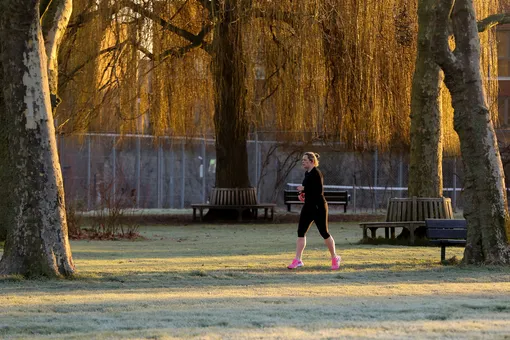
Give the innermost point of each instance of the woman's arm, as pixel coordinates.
(313, 187)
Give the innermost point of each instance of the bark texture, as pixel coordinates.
(485, 207)
(229, 70)
(37, 242)
(5, 172)
(426, 157)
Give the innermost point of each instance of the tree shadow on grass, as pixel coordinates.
(362, 274)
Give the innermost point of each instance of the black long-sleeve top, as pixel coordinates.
(314, 187)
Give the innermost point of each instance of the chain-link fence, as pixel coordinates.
(162, 172)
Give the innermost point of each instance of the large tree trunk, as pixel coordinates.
(485, 207)
(425, 171)
(230, 120)
(37, 242)
(231, 124)
(426, 157)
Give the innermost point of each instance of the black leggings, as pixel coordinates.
(317, 214)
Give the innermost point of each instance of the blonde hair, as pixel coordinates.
(313, 157)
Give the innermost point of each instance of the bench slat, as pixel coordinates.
(446, 229)
(433, 233)
(446, 223)
(332, 197)
(447, 241)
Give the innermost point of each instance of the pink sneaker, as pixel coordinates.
(335, 262)
(295, 263)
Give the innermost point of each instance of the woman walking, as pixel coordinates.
(315, 210)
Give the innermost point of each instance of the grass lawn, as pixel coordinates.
(231, 282)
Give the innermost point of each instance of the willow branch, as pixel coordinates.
(69, 76)
(207, 5)
(287, 17)
(43, 6)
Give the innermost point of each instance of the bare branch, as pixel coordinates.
(195, 40)
(157, 19)
(43, 6)
(493, 20)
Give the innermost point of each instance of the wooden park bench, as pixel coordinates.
(446, 233)
(238, 199)
(333, 197)
(409, 213)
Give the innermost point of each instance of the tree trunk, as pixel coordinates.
(485, 207)
(426, 157)
(230, 120)
(5, 171)
(54, 22)
(425, 171)
(37, 242)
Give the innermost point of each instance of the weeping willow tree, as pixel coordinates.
(198, 56)
(340, 69)
(369, 48)
(82, 67)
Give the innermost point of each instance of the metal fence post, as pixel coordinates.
(114, 169)
(354, 192)
(183, 178)
(376, 161)
(257, 164)
(400, 173)
(88, 173)
(160, 172)
(171, 175)
(202, 171)
(454, 195)
(138, 169)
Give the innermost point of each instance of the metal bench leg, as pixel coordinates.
(365, 234)
(372, 232)
(387, 233)
(194, 214)
(345, 208)
(411, 236)
(392, 232)
(288, 207)
(239, 215)
(201, 213)
(272, 213)
(265, 213)
(443, 253)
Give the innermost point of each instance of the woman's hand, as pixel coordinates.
(300, 188)
(301, 197)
